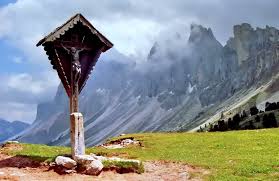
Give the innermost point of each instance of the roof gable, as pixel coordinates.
(61, 30)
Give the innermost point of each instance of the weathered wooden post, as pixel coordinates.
(73, 50)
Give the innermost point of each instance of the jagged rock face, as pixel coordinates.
(197, 68)
(256, 53)
(178, 84)
(196, 65)
(248, 41)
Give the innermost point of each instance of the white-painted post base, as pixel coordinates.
(77, 134)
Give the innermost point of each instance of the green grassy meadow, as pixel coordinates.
(233, 155)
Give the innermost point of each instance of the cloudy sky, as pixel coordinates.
(26, 77)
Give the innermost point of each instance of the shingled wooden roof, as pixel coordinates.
(93, 42)
(61, 30)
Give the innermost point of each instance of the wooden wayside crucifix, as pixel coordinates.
(73, 50)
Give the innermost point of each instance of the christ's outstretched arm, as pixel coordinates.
(68, 50)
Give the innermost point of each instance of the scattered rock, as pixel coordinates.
(121, 143)
(65, 162)
(84, 159)
(90, 164)
(94, 168)
(52, 164)
(100, 158)
(129, 142)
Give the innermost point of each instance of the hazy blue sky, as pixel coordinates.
(26, 77)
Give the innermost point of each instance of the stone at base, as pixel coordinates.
(100, 158)
(84, 159)
(94, 168)
(87, 164)
(65, 162)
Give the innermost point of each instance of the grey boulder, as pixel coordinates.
(65, 162)
(94, 168)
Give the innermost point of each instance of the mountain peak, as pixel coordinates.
(240, 29)
(199, 32)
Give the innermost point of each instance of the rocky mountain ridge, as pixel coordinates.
(182, 83)
(9, 129)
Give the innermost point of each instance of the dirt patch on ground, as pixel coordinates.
(18, 162)
(17, 168)
(162, 170)
(8, 147)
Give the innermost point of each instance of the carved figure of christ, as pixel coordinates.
(76, 66)
(74, 50)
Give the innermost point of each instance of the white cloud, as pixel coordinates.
(30, 20)
(25, 83)
(131, 25)
(20, 93)
(12, 111)
(131, 36)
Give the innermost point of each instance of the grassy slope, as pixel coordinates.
(236, 155)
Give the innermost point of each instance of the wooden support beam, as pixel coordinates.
(76, 120)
